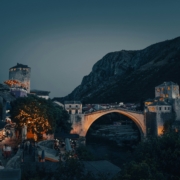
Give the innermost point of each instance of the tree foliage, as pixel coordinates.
(156, 158)
(40, 115)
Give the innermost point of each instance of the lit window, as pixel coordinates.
(162, 89)
(157, 89)
(174, 88)
(14, 69)
(169, 88)
(167, 95)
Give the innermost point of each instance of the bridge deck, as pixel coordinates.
(109, 109)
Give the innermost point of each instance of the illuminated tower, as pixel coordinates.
(21, 73)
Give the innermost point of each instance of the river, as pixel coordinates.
(103, 149)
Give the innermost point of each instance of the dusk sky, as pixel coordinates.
(62, 39)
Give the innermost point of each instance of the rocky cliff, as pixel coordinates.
(130, 76)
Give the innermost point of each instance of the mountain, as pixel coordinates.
(130, 76)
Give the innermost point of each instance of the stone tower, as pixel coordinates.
(21, 73)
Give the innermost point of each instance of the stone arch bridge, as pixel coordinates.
(82, 122)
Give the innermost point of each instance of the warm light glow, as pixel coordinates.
(148, 103)
(34, 121)
(160, 130)
(14, 82)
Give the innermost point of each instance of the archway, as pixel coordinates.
(137, 118)
(109, 144)
(114, 128)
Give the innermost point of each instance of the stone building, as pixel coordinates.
(18, 92)
(21, 73)
(164, 107)
(73, 107)
(168, 90)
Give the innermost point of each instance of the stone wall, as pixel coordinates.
(176, 107)
(76, 120)
(151, 126)
(21, 75)
(161, 118)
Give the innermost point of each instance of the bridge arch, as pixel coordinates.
(138, 118)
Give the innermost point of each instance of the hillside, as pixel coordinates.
(130, 76)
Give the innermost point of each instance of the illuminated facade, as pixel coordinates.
(21, 73)
(167, 90)
(162, 107)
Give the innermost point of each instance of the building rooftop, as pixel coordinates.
(169, 83)
(20, 66)
(101, 167)
(4, 87)
(149, 100)
(160, 103)
(72, 102)
(40, 92)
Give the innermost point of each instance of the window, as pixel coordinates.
(76, 105)
(168, 108)
(160, 108)
(162, 89)
(14, 69)
(164, 108)
(69, 105)
(169, 88)
(167, 95)
(157, 89)
(174, 88)
(70, 112)
(76, 111)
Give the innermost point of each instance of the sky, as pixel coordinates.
(61, 40)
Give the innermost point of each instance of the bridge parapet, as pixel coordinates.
(109, 109)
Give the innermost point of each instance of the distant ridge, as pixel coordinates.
(130, 76)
